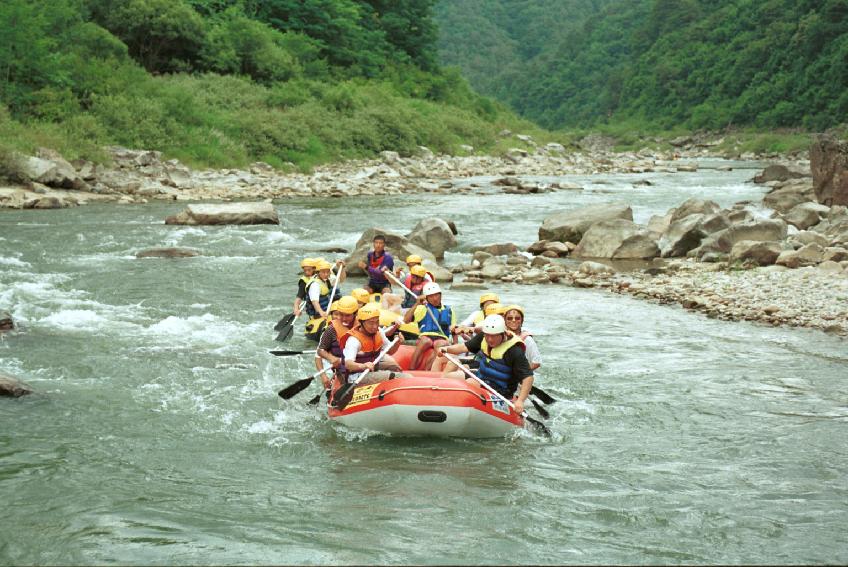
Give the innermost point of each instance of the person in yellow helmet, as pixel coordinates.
(361, 295)
(411, 261)
(362, 345)
(514, 317)
(308, 266)
(329, 349)
(318, 292)
(467, 326)
(415, 282)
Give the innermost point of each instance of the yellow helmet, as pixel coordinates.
(418, 271)
(324, 265)
(489, 297)
(513, 308)
(493, 309)
(414, 259)
(347, 304)
(307, 263)
(361, 295)
(368, 311)
(334, 306)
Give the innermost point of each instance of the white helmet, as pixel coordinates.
(431, 288)
(494, 325)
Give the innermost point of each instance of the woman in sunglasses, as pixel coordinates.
(514, 317)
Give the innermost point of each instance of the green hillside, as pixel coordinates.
(227, 82)
(661, 64)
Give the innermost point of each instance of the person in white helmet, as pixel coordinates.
(503, 364)
(436, 323)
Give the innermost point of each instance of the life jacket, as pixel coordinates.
(369, 345)
(478, 317)
(375, 267)
(442, 314)
(303, 285)
(324, 298)
(493, 370)
(336, 348)
(409, 300)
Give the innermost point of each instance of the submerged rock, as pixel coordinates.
(167, 253)
(13, 387)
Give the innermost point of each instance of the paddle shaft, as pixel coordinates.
(376, 362)
(410, 292)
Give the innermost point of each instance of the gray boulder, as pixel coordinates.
(497, 249)
(13, 387)
(784, 198)
(760, 253)
(6, 322)
(570, 226)
(808, 255)
(694, 206)
(776, 173)
(399, 247)
(805, 215)
(226, 213)
(682, 236)
(617, 239)
(719, 221)
(829, 166)
(433, 234)
(805, 237)
(51, 169)
(757, 230)
(595, 268)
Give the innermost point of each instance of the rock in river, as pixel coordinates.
(227, 213)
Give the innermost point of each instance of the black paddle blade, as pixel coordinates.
(538, 426)
(343, 396)
(285, 352)
(296, 388)
(284, 321)
(286, 333)
(542, 395)
(314, 401)
(542, 411)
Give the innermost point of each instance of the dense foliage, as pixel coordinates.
(224, 82)
(663, 63)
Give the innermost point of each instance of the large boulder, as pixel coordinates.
(617, 239)
(497, 249)
(787, 196)
(51, 169)
(227, 213)
(570, 226)
(433, 234)
(13, 387)
(829, 165)
(682, 236)
(776, 172)
(808, 255)
(758, 230)
(694, 206)
(805, 215)
(760, 253)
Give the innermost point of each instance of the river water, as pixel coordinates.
(155, 434)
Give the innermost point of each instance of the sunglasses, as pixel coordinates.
(513, 318)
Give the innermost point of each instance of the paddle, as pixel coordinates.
(290, 352)
(284, 321)
(292, 390)
(345, 393)
(537, 424)
(543, 396)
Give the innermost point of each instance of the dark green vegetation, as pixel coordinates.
(656, 64)
(226, 82)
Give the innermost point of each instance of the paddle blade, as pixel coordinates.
(286, 352)
(314, 401)
(542, 395)
(286, 320)
(542, 411)
(343, 396)
(286, 333)
(294, 389)
(538, 426)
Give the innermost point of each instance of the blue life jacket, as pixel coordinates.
(427, 326)
(493, 370)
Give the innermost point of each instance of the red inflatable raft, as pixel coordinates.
(427, 404)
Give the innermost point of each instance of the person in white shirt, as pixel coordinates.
(514, 317)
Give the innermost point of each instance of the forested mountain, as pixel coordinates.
(222, 82)
(658, 63)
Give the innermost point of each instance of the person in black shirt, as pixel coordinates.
(503, 365)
